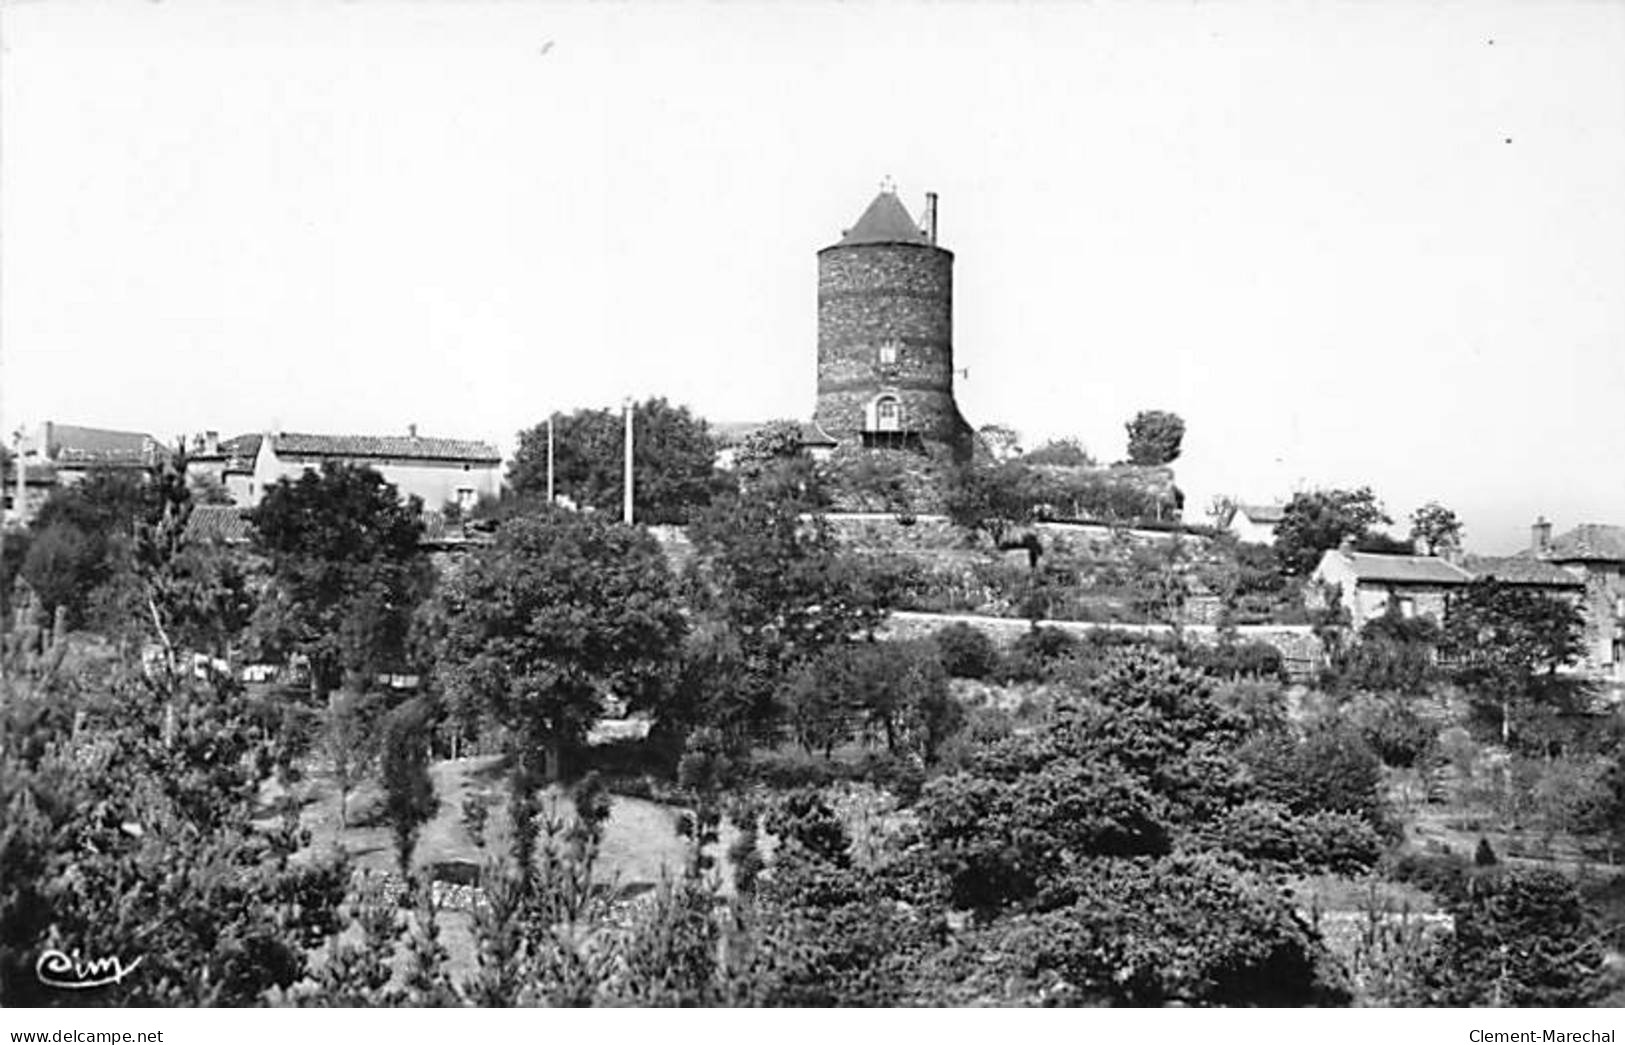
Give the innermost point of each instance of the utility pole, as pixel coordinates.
(550, 500)
(626, 479)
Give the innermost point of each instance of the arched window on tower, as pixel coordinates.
(888, 414)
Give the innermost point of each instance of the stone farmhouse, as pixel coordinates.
(56, 454)
(1418, 586)
(1593, 554)
(436, 470)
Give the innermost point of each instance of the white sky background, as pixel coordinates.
(1300, 226)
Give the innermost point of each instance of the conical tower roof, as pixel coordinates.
(886, 221)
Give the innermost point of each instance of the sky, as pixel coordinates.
(1350, 244)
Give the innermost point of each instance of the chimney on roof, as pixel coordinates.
(930, 222)
(1346, 545)
(412, 430)
(211, 442)
(1540, 536)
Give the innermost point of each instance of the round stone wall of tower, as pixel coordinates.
(885, 335)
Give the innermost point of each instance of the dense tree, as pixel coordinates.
(673, 461)
(1395, 654)
(1154, 437)
(409, 798)
(564, 610)
(1000, 442)
(84, 538)
(1190, 929)
(898, 689)
(347, 573)
(1435, 528)
(772, 444)
(1523, 938)
(1314, 522)
(132, 832)
(993, 499)
(1330, 769)
(1507, 647)
(773, 575)
(1067, 452)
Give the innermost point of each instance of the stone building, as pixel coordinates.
(227, 463)
(1415, 585)
(439, 471)
(885, 335)
(1594, 553)
(1419, 585)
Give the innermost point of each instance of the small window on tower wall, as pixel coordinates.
(888, 353)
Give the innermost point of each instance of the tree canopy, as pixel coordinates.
(347, 572)
(565, 610)
(1507, 647)
(1317, 521)
(1154, 437)
(673, 461)
(1435, 528)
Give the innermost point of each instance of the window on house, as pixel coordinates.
(888, 353)
(888, 415)
(1407, 608)
(465, 497)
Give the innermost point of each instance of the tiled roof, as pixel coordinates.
(238, 450)
(78, 442)
(402, 446)
(1589, 542)
(1516, 570)
(225, 523)
(1263, 513)
(886, 221)
(1403, 569)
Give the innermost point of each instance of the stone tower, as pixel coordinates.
(885, 335)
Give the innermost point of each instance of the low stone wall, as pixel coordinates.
(1297, 643)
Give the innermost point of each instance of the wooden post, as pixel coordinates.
(626, 480)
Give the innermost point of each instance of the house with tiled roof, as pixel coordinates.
(73, 451)
(1256, 523)
(1417, 585)
(228, 463)
(435, 469)
(1594, 553)
(1368, 584)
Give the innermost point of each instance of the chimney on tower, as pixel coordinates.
(412, 430)
(1540, 536)
(931, 218)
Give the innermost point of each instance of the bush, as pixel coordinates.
(1034, 653)
(1260, 704)
(1523, 938)
(1445, 875)
(1237, 660)
(967, 652)
(1187, 929)
(1004, 830)
(1393, 728)
(1331, 770)
(1338, 843)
